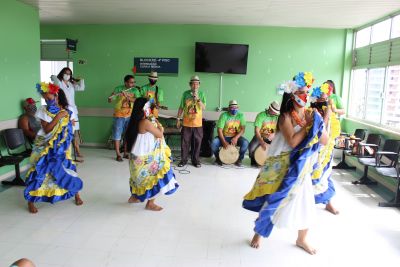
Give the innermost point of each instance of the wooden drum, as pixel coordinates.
(229, 155)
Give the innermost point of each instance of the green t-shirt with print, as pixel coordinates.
(231, 124)
(123, 107)
(192, 112)
(337, 101)
(266, 123)
(149, 91)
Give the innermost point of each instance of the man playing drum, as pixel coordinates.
(264, 130)
(231, 126)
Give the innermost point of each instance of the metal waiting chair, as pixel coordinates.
(359, 134)
(17, 151)
(387, 157)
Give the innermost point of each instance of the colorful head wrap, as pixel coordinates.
(302, 79)
(43, 88)
(317, 92)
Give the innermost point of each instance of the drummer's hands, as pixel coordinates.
(225, 144)
(234, 141)
(264, 145)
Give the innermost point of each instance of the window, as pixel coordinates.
(375, 86)
(381, 31)
(357, 107)
(48, 68)
(363, 37)
(391, 112)
(395, 27)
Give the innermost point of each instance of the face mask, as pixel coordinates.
(301, 100)
(51, 102)
(234, 111)
(152, 82)
(31, 109)
(66, 77)
(147, 112)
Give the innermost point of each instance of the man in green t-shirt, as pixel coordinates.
(124, 96)
(231, 126)
(264, 129)
(153, 92)
(193, 103)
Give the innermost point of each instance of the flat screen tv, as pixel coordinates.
(221, 58)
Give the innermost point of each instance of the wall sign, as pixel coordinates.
(159, 64)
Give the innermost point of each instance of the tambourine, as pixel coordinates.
(260, 155)
(229, 155)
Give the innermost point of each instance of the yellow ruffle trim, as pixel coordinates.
(55, 132)
(46, 190)
(154, 179)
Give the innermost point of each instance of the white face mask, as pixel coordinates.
(66, 77)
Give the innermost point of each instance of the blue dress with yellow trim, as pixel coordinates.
(282, 193)
(324, 188)
(150, 168)
(52, 176)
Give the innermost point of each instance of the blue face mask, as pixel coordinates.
(152, 82)
(51, 102)
(234, 111)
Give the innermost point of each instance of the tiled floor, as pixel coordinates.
(202, 224)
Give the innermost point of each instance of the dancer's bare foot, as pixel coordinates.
(133, 199)
(78, 200)
(304, 245)
(329, 207)
(32, 208)
(255, 242)
(152, 206)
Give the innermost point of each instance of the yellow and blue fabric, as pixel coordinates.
(152, 173)
(52, 176)
(323, 186)
(273, 186)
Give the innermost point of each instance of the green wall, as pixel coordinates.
(19, 56)
(19, 59)
(275, 55)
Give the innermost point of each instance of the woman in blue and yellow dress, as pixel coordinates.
(150, 162)
(324, 188)
(52, 176)
(282, 193)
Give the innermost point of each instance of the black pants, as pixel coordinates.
(187, 134)
(253, 146)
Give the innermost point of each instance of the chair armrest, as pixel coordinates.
(385, 153)
(366, 144)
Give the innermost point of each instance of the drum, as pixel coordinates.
(229, 155)
(260, 155)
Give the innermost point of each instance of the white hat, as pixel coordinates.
(275, 107)
(153, 75)
(233, 103)
(195, 78)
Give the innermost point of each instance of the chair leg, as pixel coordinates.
(17, 180)
(395, 202)
(342, 164)
(364, 180)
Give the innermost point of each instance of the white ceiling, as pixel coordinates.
(291, 13)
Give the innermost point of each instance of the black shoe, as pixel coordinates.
(197, 164)
(182, 163)
(239, 163)
(218, 162)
